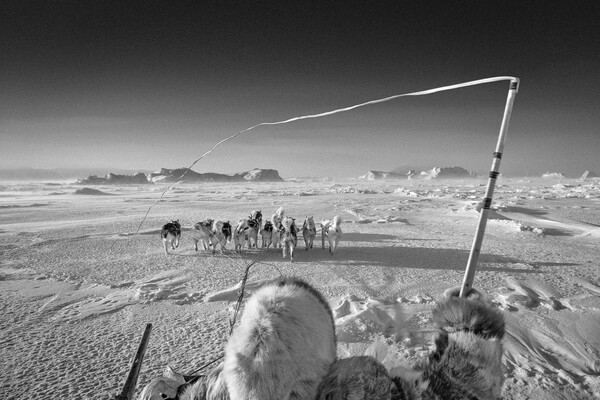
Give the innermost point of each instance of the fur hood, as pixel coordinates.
(272, 355)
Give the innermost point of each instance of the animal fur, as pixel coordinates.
(212, 234)
(309, 232)
(219, 235)
(277, 217)
(284, 348)
(238, 240)
(334, 234)
(170, 235)
(203, 232)
(288, 237)
(267, 234)
(325, 224)
(257, 215)
(467, 361)
(226, 230)
(249, 227)
(356, 378)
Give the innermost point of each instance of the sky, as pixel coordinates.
(148, 85)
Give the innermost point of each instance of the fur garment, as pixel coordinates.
(284, 349)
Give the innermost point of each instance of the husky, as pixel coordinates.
(309, 231)
(226, 229)
(219, 235)
(285, 348)
(288, 236)
(203, 232)
(170, 235)
(267, 234)
(277, 217)
(334, 234)
(325, 224)
(249, 227)
(257, 215)
(239, 238)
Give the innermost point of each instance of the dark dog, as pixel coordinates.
(170, 235)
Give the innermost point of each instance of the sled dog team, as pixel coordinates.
(284, 347)
(279, 232)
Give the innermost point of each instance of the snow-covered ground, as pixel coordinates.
(80, 277)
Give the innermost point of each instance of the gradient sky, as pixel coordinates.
(145, 85)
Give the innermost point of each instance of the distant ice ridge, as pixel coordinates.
(434, 173)
(167, 175)
(553, 175)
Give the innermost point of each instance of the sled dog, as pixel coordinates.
(257, 215)
(309, 231)
(249, 228)
(288, 236)
(170, 235)
(226, 231)
(277, 217)
(203, 232)
(267, 233)
(219, 237)
(332, 231)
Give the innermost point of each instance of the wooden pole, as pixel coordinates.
(487, 200)
(129, 388)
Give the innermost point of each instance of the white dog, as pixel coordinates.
(333, 232)
(249, 227)
(277, 218)
(239, 238)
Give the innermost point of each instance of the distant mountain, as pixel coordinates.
(167, 175)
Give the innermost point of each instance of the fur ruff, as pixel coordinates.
(467, 361)
(283, 346)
